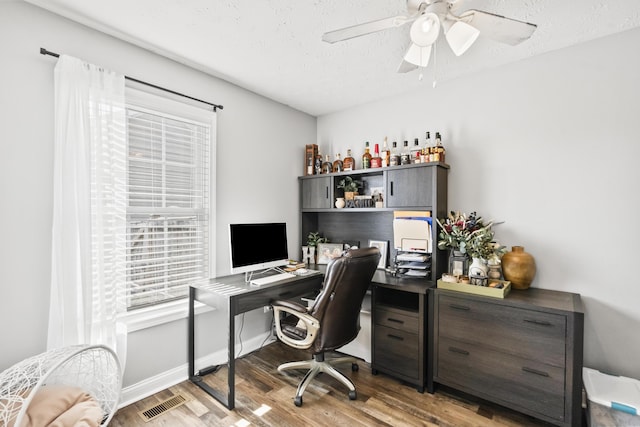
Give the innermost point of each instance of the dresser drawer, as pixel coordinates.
(396, 319)
(525, 333)
(397, 350)
(490, 374)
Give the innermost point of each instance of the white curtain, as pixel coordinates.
(89, 207)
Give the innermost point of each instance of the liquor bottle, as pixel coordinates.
(415, 152)
(309, 165)
(349, 162)
(337, 164)
(394, 158)
(405, 154)
(366, 157)
(327, 166)
(376, 160)
(439, 148)
(424, 154)
(386, 154)
(317, 165)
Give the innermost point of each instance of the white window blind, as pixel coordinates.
(168, 206)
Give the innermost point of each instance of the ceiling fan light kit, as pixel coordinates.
(461, 36)
(461, 29)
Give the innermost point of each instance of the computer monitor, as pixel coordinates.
(257, 246)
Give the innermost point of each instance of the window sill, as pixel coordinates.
(164, 313)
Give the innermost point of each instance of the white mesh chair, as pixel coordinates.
(93, 368)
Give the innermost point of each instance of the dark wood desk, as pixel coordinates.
(232, 294)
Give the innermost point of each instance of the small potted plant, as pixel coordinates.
(350, 187)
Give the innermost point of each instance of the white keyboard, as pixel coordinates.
(270, 279)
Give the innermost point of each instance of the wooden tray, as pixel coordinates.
(477, 290)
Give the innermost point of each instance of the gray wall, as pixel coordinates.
(260, 150)
(549, 145)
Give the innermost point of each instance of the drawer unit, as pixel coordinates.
(397, 319)
(397, 350)
(526, 333)
(399, 334)
(523, 352)
(524, 382)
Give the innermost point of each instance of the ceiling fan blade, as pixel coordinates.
(497, 27)
(405, 67)
(366, 28)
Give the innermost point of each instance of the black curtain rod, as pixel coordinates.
(44, 51)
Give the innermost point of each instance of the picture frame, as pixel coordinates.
(350, 244)
(329, 251)
(383, 246)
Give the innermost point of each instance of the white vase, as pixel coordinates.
(340, 202)
(478, 268)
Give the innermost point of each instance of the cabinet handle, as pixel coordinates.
(459, 307)
(395, 337)
(327, 188)
(538, 322)
(460, 351)
(391, 189)
(391, 319)
(535, 371)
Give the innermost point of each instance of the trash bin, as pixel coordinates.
(613, 401)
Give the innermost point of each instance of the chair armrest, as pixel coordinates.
(290, 305)
(307, 321)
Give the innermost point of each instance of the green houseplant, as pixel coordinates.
(350, 187)
(314, 238)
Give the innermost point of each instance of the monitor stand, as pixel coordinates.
(249, 274)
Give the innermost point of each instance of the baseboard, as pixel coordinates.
(157, 383)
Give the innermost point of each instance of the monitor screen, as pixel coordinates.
(257, 246)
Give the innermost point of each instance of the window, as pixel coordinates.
(170, 147)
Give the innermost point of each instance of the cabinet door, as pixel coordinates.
(412, 187)
(316, 193)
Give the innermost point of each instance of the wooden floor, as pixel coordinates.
(382, 401)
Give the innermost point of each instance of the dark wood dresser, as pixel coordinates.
(523, 352)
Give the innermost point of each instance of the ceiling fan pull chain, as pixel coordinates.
(435, 63)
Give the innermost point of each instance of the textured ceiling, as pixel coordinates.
(274, 47)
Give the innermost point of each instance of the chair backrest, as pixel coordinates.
(337, 308)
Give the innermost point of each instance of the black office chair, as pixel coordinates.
(332, 321)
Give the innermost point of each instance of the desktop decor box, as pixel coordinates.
(477, 290)
(310, 153)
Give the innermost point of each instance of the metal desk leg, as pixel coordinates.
(228, 400)
(231, 400)
(191, 348)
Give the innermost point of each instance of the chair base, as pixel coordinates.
(318, 365)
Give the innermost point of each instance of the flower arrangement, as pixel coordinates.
(469, 235)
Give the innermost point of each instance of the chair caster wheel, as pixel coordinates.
(353, 395)
(298, 401)
(354, 367)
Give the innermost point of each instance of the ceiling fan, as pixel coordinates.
(460, 29)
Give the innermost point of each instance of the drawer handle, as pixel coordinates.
(459, 351)
(391, 319)
(395, 337)
(535, 371)
(538, 322)
(459, 307)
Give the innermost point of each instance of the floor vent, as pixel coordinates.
(162, 407)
